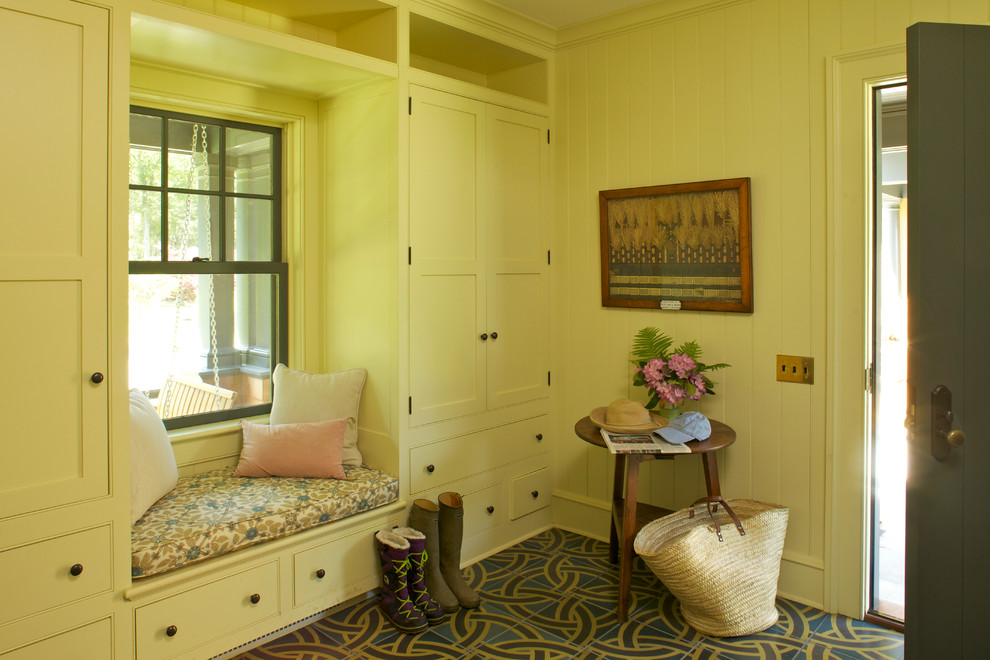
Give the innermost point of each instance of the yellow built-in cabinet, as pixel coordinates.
(59, 501)
(479, 263)
(478, 257)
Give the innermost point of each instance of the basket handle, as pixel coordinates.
(712, 504)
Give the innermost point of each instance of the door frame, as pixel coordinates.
(850, 79)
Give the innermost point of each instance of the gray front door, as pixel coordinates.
(948, 490)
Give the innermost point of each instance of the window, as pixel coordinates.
(207, 284)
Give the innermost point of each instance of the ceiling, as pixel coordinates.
(562, 13)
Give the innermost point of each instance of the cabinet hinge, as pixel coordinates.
(548, 136)
(548, 379)
(548, 257)
(410, 405)
(870, 379)
(410, 105)
(410, 255)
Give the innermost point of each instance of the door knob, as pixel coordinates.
(956, 438)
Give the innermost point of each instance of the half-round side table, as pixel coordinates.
(628, 517)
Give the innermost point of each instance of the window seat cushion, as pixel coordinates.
(212, 513)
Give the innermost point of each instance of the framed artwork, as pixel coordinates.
(680, 246)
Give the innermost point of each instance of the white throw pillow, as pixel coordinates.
(153, 469)
(301, 398)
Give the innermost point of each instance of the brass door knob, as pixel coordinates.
(956, 438)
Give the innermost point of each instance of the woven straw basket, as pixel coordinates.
(726, 588)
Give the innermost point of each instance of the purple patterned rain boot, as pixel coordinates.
(416, 580)
(393, 550)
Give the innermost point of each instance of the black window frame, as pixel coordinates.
(276, 266)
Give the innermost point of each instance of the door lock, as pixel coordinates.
(944, 437)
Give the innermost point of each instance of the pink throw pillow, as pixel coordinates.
(293, 450)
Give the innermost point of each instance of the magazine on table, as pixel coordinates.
(641, 443)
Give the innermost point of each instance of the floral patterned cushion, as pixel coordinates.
(211, 513)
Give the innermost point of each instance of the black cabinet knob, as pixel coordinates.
(494, 335)
(76, 570)
(320, 574)
(539, 436)
(171, 631)
(490, 509)
(97, 378)
(484, 336)
(535, 494)
(255, 599)
(430, 468)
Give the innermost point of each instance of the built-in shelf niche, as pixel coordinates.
(361, 26)
(449, 51)
(253, 55)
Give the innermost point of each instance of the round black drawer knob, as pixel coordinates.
(76, 570)
(430, 468)
(255, 599)
(484, 336)
(535, 494)
(320, 574)
(490, 509)
(171, 631)
(539, 436)
(494, 335)
(97, 378)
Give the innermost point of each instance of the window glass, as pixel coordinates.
(207, 285)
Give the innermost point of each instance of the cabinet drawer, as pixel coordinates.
(530, 492)
(55, 572)
(334, 565)
(482, 510)
(85, 643)
(182, 622)
(439, 463)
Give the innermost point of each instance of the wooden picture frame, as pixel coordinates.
(679, 246)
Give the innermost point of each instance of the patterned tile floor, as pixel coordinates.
(553, 597)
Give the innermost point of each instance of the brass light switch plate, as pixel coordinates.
(796, 369)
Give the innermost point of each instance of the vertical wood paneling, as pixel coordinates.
(711, 95)
(969, 11)
(933, 11)
(892, 20)
(859, 21)
(607, 388)
(733, 384)
(795, 332)
(686, 85)
(662, 126)
(640, 111)
(767, 271)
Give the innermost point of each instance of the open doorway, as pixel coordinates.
(888, 372)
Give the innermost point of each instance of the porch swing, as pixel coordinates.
(182, 394)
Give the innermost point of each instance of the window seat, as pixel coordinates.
(212, 513)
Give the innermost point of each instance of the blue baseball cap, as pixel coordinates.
(686, 426)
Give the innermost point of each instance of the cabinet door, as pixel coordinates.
(53, 253)
(446, 278)
(518, 193)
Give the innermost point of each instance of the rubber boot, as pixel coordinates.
(393, 550)
(420, 595)
(451, 535)
(424, 517)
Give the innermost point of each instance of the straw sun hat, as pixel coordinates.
(625, 416)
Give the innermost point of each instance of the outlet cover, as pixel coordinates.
(796, 369)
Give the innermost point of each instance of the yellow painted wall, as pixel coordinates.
(733, 89)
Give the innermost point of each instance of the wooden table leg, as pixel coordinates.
(618, 485)
(628, 534)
